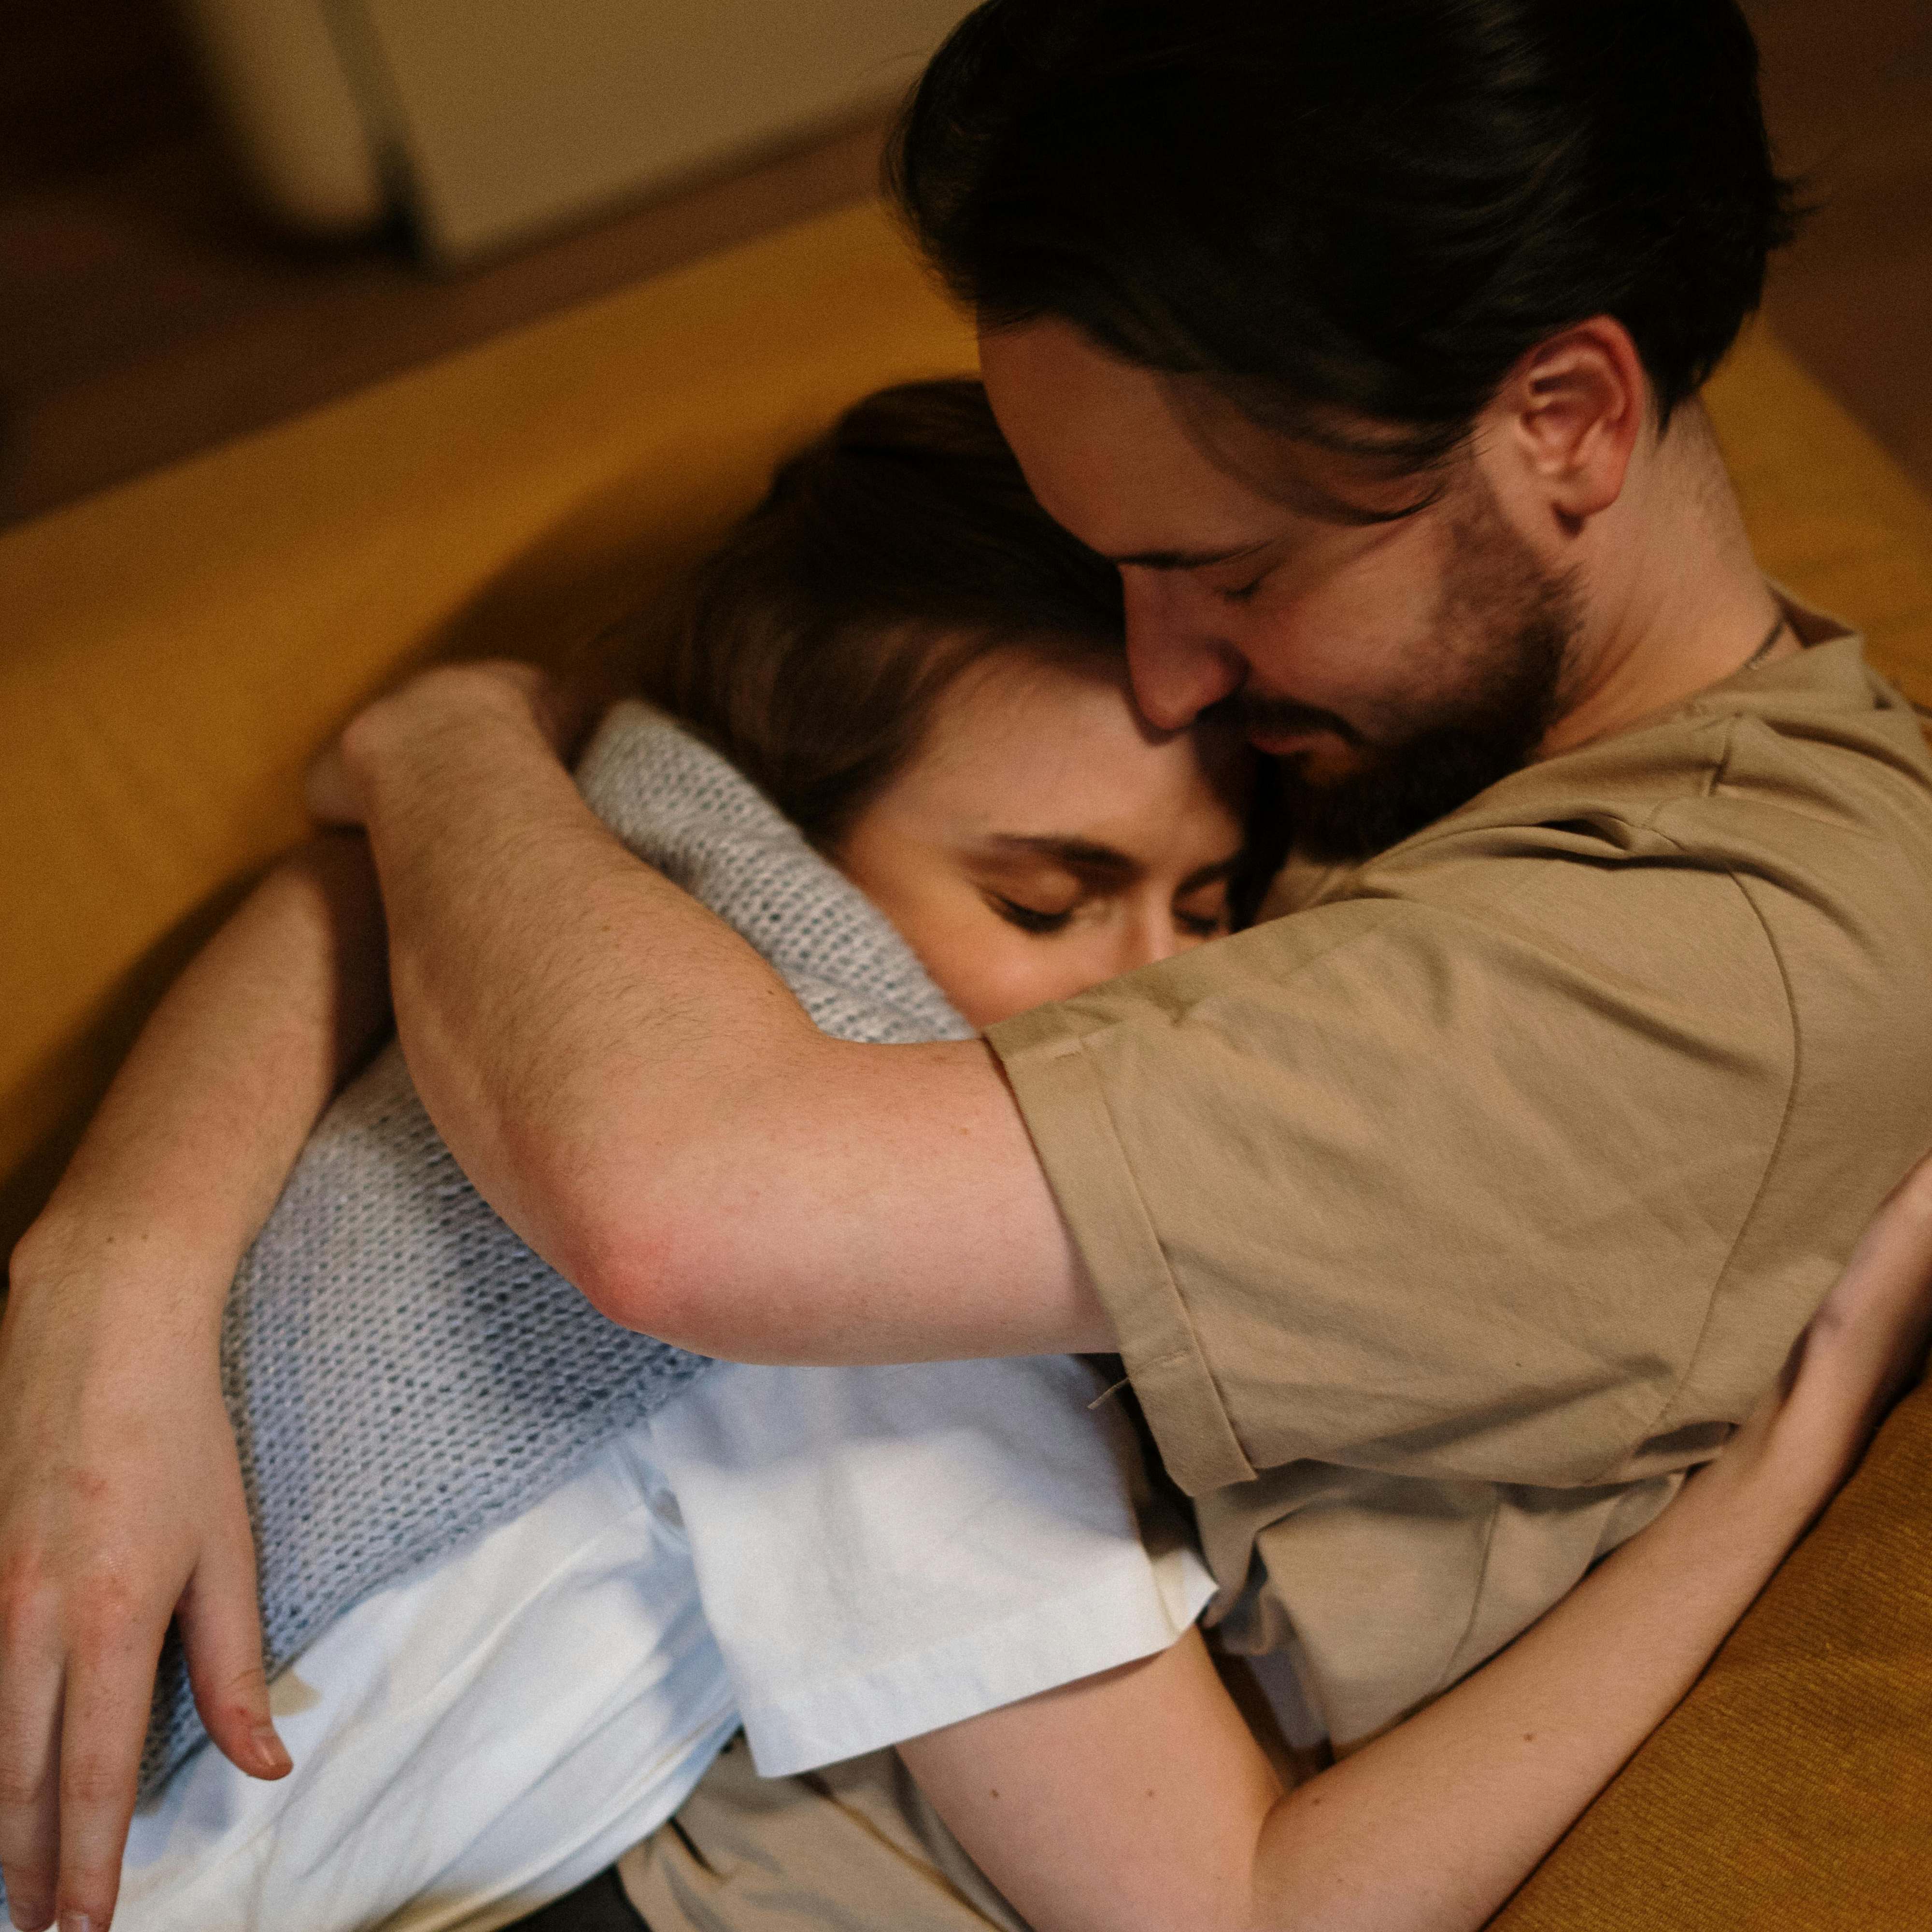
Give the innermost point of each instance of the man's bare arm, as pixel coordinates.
(121, 1498)
(639, 1095)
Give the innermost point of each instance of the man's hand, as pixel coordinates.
(434, 699)
(120, 1506)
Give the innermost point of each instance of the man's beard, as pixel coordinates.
(1469, 737)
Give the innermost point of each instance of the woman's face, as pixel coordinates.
(1045, 839)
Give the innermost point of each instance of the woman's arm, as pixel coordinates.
(1138, 1799)
(121, 1500)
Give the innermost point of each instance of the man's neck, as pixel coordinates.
(1674, 602)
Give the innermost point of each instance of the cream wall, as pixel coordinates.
(487, 122)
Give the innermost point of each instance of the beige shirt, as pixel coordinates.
(1446, 1217)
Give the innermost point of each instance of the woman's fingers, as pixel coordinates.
(104, 1719)
(220, 1626)
(118, 1472)
(1867, 1341)
(30, 1673)
(1880, 1308)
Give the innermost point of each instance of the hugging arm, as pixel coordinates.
(121, 1496)
(1137, 1799)
(637, 1093)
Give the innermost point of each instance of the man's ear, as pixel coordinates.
(1574, 407)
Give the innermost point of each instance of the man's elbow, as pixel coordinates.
(647, 1258)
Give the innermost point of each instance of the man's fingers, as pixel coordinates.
(220, 1626)
(30, 1709)
(109, 1687)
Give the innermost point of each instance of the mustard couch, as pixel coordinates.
(172, 652)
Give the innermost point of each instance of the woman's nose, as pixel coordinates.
(1178, 664)
(1147, 935)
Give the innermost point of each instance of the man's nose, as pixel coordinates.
(1177, 664)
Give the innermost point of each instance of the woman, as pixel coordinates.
(1135, 1795)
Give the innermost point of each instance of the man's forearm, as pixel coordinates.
(641, 1097)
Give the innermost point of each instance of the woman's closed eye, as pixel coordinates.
(1042, 920)
(1200, 910)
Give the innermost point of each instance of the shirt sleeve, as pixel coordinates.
(1438, 1179)
(881, 1551)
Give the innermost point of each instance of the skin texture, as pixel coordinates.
(548, 1069)
(1137, 1798)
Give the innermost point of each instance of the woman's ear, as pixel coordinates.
(1573, 410)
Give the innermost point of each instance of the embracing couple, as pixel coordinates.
(1320, 869)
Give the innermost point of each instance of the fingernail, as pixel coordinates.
(273, 1753)
(77, 1921)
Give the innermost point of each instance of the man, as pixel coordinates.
(1442, 1221)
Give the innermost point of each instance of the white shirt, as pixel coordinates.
(839, 1559)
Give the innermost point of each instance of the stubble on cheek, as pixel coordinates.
(1496, 658)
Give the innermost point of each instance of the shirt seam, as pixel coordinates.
(1670, 1402)
(1188, 1351)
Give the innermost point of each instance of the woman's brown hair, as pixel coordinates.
(898, 549)
(888, 557)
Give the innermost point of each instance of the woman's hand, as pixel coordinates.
(121, 1496)
(120, 1506)
(1866, 1345)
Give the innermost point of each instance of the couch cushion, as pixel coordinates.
(174, 649)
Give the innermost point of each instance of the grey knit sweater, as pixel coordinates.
(401, 1371)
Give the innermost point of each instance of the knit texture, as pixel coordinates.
(401, 1371)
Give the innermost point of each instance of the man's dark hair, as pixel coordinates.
(1353, 217)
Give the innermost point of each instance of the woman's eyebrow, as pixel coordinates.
(1084, 855)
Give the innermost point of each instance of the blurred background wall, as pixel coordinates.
(149, 308)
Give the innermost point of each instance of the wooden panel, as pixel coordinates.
(511, 116)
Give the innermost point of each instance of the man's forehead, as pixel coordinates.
(1108, 453)
(1143, 468)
